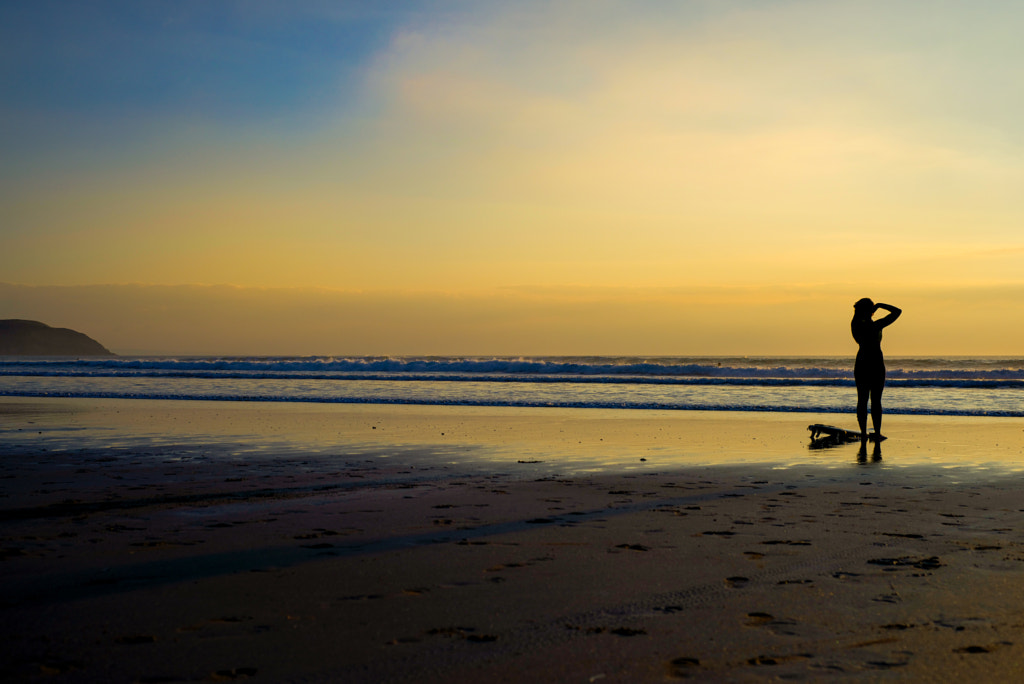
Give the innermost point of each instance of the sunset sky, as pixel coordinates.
(592, 177)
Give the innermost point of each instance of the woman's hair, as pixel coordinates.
(863, 304)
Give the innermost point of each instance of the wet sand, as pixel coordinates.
(191, 541)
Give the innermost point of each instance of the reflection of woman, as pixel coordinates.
(869, 369)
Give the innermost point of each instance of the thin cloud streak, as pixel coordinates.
(222, 320)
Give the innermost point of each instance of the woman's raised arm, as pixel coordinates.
(894, 313)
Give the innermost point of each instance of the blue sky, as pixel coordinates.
(106, 65)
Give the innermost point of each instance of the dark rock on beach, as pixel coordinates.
(32, 338)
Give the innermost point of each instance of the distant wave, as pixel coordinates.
(1008, 374)
(929, 386)
(642, 405)
(657, 405)
(618, 366)
(901, 380)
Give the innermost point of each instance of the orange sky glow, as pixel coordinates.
(518, 178)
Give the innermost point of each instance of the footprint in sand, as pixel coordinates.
(58, 667)
(930, 563)
(235, 673)
(465, 633)
(317, 534)
(885, 664)
(842, 574)
(778, 659)
(775, 625)
(971, 649)
(668, 610)
(683, 666)
(11, 552)
(758, 619)
(628, 632)
(318, 547)
(974, 650)
(504, 566)
(362, 597)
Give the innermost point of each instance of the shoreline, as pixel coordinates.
(146, 543)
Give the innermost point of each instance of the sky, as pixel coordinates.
(574, 177)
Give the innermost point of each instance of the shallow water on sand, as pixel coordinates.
(529, 441)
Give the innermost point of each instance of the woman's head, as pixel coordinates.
(864, 308)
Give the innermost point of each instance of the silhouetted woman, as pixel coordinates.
(869, 369)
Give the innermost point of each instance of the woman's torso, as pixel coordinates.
(869, 337)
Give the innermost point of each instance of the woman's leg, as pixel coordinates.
(863, 392)
(876, 407)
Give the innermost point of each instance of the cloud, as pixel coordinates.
(821, 115)
(563, 144)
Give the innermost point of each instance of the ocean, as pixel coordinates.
(965, 386)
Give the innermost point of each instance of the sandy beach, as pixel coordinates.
(149, 541)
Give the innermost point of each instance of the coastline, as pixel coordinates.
(193, 541)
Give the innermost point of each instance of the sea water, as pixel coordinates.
(968, 386)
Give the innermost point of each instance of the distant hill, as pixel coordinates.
(32, 338)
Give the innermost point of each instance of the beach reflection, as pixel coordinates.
(835, 441)
(828, 442)
(876, 453)
(532, 442)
